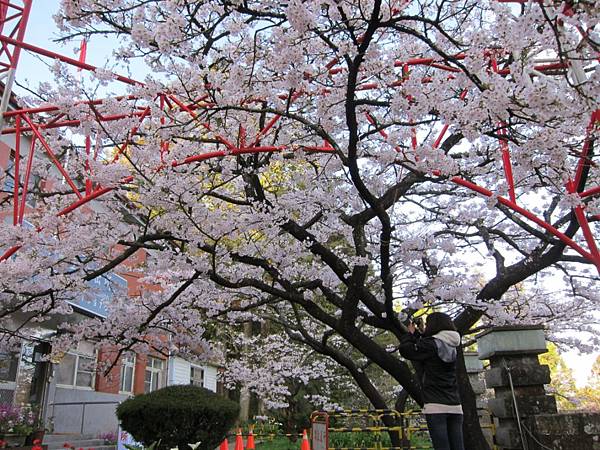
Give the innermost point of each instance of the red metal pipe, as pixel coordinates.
(16, 171)
(372, 121)
(19, 30)
(440, 136)
(445, 67)
(592, 191)
(22, 25)
(262, 133)
(120, 116)
(332, 63)
(367, 86)
(26, 180)
(163, 145)
(508, 173)
(52, 156)
(3, 12)
(88, 181)
(97, 193)
(437, 142)
(506, 163)
(587, 233)
(8, 253)
(260, 149)
(322, 149)
(84, 200)
(242, 136)
(65, 123)
(50, 108)
(133, 130)
(224, 141)
(595, 117)
(425, 61)
(563, 237)
(54, 119)
(196, 158)
(69, 123)
(240, 151)
(543, 68)
(65, 59)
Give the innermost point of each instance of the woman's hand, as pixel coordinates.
(411, 328)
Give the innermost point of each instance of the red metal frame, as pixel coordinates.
(39, 119)
(14, 15)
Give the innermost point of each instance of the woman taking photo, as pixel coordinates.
(435, 352)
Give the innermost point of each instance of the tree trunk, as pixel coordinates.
(400, 406)
(473, 436)
(244, 415)
(391, 421)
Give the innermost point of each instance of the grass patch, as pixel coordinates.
(365, 440)
(278, 443)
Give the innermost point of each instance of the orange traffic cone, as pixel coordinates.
(239, 443)
(305, 444)
(224, 445)
(250, 441)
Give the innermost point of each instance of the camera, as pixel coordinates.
(417, 321)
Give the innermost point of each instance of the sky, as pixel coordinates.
(42, 31)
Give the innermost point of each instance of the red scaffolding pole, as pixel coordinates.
(13, 22)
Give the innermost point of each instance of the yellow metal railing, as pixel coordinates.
(407, 424)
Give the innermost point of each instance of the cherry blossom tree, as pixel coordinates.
(323, 165)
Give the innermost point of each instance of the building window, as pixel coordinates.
(197, 376)
(76, 371)
(8, 175)
(155, 374)
(127, 373)
(9, 362)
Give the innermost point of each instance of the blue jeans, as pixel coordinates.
(445, 431)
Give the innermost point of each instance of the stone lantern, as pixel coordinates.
(517, 378)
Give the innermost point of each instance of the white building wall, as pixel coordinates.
(210, 378)
(179, 373)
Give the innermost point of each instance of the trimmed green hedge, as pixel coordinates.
(178, 415)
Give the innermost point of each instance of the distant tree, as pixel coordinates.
(589, 395)
(563, 382)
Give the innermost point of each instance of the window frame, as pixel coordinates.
(76, 370)
(125, 363)
(194, 367)
(154, 372)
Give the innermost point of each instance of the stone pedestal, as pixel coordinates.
(475, 371)
(474, 368)
(565, 431)
(517, 378)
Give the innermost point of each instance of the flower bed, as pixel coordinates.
(16, 423)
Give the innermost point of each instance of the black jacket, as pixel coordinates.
(437, 355)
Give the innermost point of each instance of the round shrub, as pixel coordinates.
(178, 415)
